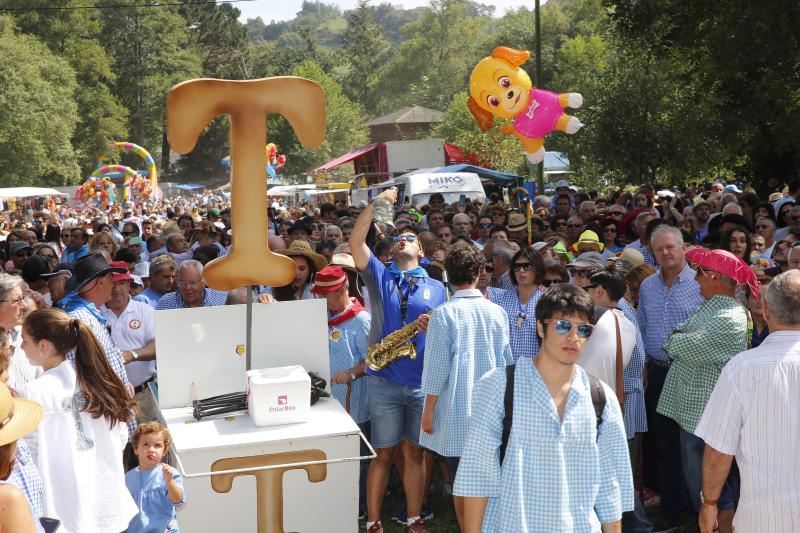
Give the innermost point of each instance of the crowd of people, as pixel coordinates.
(566, 369)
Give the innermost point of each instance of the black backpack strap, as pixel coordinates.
(508, 404)
(598, 397)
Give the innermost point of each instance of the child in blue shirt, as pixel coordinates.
(156, 487)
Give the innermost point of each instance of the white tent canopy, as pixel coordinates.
(26, 192)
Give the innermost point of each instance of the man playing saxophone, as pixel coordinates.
(400, 294)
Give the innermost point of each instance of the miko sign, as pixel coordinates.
(444, 180)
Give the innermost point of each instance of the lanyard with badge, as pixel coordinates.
(522, 316)
(410, 282)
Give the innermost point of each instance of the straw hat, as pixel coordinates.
(302, 248)
(18, 417)
(587, 237)
(343, 260)
(516, 222)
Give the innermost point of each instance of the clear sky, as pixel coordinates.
(285, 9)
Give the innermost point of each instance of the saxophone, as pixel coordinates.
(396, 345)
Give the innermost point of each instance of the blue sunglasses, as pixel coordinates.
(563, 327)
(407, 238)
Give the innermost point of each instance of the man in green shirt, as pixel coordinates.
(700, 348)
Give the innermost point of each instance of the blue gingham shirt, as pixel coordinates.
(173, 300)
(467, 337)
(634, 414)
(557, 475)
(347, 343)
(504, 282)
(649, 258)
(662, 308)
(524, 340)
(25, 477)
(113, 353)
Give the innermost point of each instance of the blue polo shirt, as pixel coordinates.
(424, 295)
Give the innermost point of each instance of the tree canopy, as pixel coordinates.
(686, 90)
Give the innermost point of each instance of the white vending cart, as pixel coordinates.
(295, 477)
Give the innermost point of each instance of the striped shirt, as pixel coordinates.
(662, 308)
(752, 414)
(467, 337)
(634, 414)
(347, 345)
(521, 321)
(568, 475)
(20, 371)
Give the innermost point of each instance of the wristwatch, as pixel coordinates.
(710, 503)
(134, 355)
(353, 376)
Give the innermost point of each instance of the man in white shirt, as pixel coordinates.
(752, 415)
(133, 331)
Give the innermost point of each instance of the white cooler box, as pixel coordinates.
(279, 395)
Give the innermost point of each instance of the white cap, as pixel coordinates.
(142, 269)
(562, 183)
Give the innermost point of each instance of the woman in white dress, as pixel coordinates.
(78, 447)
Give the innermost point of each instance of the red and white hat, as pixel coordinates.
(329, 279)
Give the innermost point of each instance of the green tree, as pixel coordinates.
(434, 63)
(152, 51)
(345, 127)
(38, 113)
(365, 49)
(74, 34)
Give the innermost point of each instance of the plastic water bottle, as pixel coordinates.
(383, 210)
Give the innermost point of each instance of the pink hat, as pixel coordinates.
(727, 264)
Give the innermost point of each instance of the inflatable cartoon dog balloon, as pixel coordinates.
(498, 86)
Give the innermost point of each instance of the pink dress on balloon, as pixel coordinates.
(541, 115)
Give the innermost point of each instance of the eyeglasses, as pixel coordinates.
(15, 301)
(549, 282)
(317, 227)
(582, 273)
(485, 226)
(527, 267)
(23, 253)
(190, 283)
(563, 327)
(610, 230)
(615, 213)
(574, 225)
(407, 238)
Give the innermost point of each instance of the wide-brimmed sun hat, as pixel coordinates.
(18, 417)
(302, 248)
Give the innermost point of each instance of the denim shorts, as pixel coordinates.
(395, 412)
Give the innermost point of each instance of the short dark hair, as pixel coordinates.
(565, 299)
(83, 232)
(125, 254)
(327, 208)
(533, 258)
(383, 246)
(463, 263)
(322, 245)
(612, 280)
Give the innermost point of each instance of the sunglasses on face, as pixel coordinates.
(485, 226)
(563, 327)
(574, 225)
(23, 253)
(579, 273)
(527, 267)
(407, 238)
(610, 230)
(549, 282)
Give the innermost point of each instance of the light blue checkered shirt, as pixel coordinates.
(648, 256)
(25, 476)
(524, 341)
(557, 476)
(173, 300)
(634, 414)
(346, 351)
(467, 337)
(662, 308)
(113, 353)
